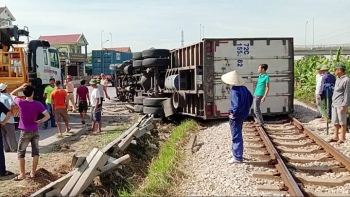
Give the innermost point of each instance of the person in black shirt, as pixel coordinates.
(3, 172)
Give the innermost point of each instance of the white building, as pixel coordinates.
(5, 14)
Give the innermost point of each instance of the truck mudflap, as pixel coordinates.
(168, 107)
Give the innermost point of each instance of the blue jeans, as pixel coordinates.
(2, 158)
(237, 138)
(52, 117)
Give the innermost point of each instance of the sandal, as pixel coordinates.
(29, 174)
(18, 179)
(333, 140)
(340, 142)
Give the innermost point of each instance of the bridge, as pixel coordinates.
(302, 50)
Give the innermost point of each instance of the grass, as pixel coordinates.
(112, 135)
(159, 180)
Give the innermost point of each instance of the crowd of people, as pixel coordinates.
(54, 110)
(333, 99)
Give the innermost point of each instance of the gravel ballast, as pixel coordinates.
(210, 174)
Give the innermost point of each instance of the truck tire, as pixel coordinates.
(155, 62)
(156, 53)
(137, 56)
(153, 102)
(137, 63)
(120, 66)
(153, 110)
(139, 100)
(128, 69)
(138, 108)
(126, 63)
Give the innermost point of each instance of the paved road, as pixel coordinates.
(48, 136)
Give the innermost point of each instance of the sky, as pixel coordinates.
(142, 24)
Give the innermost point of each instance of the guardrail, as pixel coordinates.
(96, 163)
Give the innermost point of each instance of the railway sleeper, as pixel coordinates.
(275, 188)
(296, 138)
(294, 145)
(320, 194)
(301, 151)
(255, 146)
(322, 182)
(283, 133)
(267, 175)
(297, 159)
(253, 140)
(251, 134)
(282, 128)
(314, 169)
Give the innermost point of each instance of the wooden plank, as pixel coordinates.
(55, 192)
(71, 183)
(115, 163)
(144, 130)
(127, 140)
(78, 160)
(58, 184)
(90, 173)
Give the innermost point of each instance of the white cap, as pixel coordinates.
(2, 86)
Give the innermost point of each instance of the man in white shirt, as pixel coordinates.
(8, 130)
(95, 97)
(318, 91)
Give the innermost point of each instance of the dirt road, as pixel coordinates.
(56, 152)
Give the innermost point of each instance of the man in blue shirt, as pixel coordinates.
(261, 91)
(8, 130)
(327, 84)
(241, 102)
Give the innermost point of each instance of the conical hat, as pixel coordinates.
(233, 78)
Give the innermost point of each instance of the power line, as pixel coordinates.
(338, 35)
(182, 38)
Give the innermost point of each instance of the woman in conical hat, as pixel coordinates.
(241, 101)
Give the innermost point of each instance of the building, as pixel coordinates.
(120, 49)
(5, 14)
(73, 47)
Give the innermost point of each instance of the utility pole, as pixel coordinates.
(182, 38)
(313, 32)
(203, 31)
(200, 32)
(101, 39)
(111, 39)
(306, 31)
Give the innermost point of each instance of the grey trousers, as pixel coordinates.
(9, 137)
(318, 104)
(257, 111)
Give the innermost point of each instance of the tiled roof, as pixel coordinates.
(62, 39)
(2, 9)
(120, 49)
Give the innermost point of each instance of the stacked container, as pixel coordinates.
(102, 59)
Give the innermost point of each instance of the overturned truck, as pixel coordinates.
(187, 80)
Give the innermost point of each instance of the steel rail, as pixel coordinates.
(344, 160)
(291, 186)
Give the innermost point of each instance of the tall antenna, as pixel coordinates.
(182, 38)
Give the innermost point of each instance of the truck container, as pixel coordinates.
(198, 89)
(102, 59)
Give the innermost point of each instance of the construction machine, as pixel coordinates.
(33, 62)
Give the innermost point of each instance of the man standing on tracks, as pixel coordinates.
(29, 110)
(59, 104)
(328, 81)
(70, 88)
(7, 112)
(261, 91)
(8, 130)
(82, 98)
(340, 103)
(241, 102)
(318, 91)
(95, 106)
(47, 94)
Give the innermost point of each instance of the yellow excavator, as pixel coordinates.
(34, 62)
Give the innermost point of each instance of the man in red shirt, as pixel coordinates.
(82, 96)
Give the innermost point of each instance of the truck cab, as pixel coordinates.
(34, 62)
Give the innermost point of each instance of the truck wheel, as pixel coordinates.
(139, 100)
(138, 108)
(137, 56)
(137, 63)
(153, 110)
(155, 62)
(149, 53)
(128, 69)
(153, 102)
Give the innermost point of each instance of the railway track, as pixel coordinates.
(296, 162)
